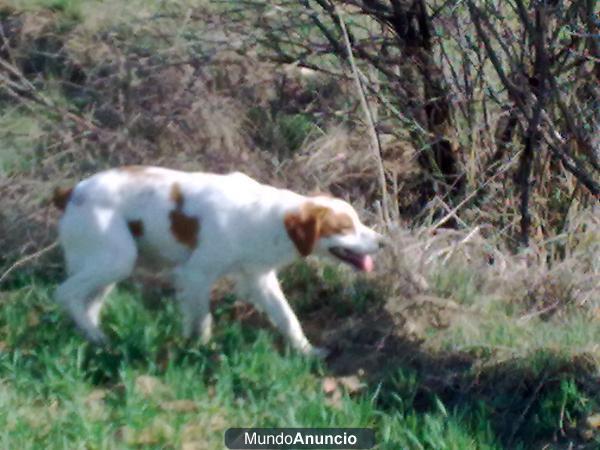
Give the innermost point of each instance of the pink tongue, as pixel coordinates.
(367, 263)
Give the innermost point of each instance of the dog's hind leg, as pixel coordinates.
(94, 305)
(82, 297)
(107, 256)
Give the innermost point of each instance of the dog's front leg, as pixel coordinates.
(265, 292)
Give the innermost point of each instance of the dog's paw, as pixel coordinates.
(205, 330)
(318, 352)
(96, 337)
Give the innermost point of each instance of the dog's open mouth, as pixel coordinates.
(357, 260)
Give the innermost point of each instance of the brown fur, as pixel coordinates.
(136, 227)
(134, 169)
(61, 197)
(185, 228)
(332, 223)
(320, 194)
(313, 222)
(302, 231)
(177, 196)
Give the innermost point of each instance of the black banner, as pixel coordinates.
(299, 438)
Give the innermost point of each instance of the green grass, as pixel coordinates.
(58, 392)
(20, 135)
(513, 326)
(283, 133)
(24, 129)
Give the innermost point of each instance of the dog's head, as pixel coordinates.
(330, 227)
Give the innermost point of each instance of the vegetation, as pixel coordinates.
(153, 389)
(466, 131)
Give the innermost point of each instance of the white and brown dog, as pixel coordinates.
(203, 226)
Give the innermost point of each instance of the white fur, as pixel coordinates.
(241, 233)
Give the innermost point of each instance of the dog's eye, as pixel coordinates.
(338, 224)
(347, 229)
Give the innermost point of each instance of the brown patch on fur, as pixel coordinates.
(61, 197)
(320, 194)
(134, 169)
(313, 222)
(332, 223)
(302, 231)
(136, 227)
(185, 228)
(176, 195)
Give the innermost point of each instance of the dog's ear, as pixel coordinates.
(313, 222)
(303, 230)
(304, 227)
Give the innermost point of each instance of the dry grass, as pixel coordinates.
(149, 89)
(547, 278)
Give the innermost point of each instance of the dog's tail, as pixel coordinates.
(61, 197)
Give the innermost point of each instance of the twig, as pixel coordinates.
(532, 399)
(527, 317)
(376, 145)
(469, 197)
(31, 94)
(26, 259)
(467, 238)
